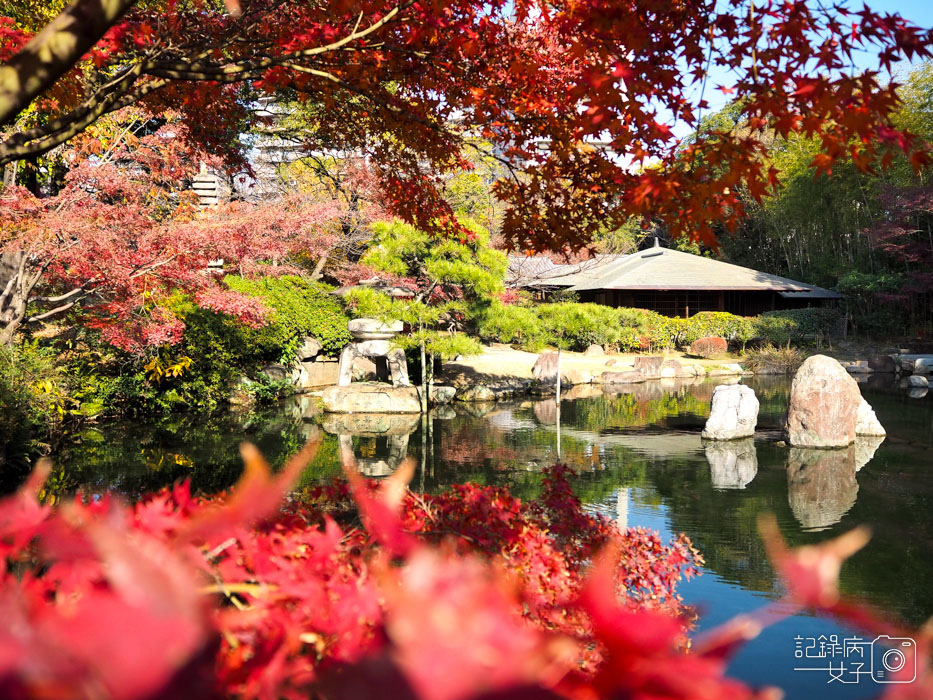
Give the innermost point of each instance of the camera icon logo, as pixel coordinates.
(893, 659)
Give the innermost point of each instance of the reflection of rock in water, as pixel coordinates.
(478, 409)
(387, 434)
(582, 391)
(546, 411)
(505, 419)
(916, 393)
(395, 450)
(821, 485)
(702, 391)
(370, 423)
(732, 463)
(444, 413)
(865, 448)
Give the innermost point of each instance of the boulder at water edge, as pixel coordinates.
(371, 398)
(545, 368)
(882, 363)
(916, 381)
(823, 407)
(650, 367)
(733, 413)
(867, 422)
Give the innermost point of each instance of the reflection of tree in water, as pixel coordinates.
(133, 458)
(612, 442)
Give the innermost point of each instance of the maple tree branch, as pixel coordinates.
(54, 51)
(10, 150)
(118, 92)
(52, 312)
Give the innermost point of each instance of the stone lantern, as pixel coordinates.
(373, 339)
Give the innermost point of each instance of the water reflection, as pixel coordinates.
(636, 452)
(381, 439)
(732, 463)
(821, 484)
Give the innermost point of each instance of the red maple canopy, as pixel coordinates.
(406, 82)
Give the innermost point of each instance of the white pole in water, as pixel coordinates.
(558, 376)
(558, 403)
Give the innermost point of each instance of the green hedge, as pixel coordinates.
(574, 326)
(300, 308)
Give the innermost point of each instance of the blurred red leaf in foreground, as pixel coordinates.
(269, 594)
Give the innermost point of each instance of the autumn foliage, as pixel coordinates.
(577, 99)
(361, 589)
(709, 346)
(124, 234)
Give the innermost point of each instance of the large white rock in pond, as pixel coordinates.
(732, 464)
(916, 381)
(733, 413)
(823, 406)
(866, 422)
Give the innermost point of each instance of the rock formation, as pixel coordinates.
(867, 422)
(733, 413)
(823, 407)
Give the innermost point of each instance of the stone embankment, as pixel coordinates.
(912, 370)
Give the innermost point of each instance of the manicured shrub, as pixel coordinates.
(709, 346)
(796, 325)
(720, 324)
(300, 308)
(510, 323)
(577, 326)
(574, 326)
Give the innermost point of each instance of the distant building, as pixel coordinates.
(670, 282)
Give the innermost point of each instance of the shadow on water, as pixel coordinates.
(638, 457)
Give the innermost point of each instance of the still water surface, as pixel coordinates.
(640, 460)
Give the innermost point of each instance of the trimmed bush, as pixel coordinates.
(709, 346)
(507, 323)
(577, 326)
(795, 325)
(574, 326)
(300, 308)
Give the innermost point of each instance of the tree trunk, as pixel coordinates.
(12, 299)
(318, 270)
(54, 51)
(424, 382)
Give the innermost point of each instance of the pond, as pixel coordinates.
(640, 460)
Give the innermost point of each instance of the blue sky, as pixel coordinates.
(920, 12)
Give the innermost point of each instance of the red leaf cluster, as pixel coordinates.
(708, 346)
(124, 234)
